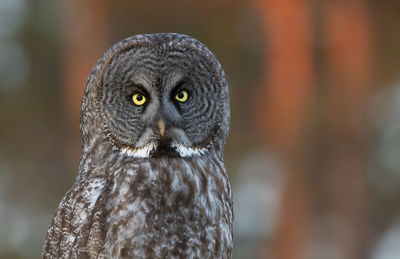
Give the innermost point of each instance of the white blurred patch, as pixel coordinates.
(388, 247)
(256, 196)
(385, 118)
(12, 17)
(14, 62)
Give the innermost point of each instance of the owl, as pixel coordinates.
(151, 181)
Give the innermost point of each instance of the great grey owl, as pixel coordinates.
(151, 181)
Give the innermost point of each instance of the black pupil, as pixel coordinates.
(180, 95)
(139, 97)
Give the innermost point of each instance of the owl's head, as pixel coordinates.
(157, 95)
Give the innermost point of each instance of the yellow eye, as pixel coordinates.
(138, 99)
(182, 96)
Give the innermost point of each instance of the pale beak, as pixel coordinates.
(161, 126)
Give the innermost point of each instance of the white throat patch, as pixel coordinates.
(140, 152)
(144, 152)
(186, 151)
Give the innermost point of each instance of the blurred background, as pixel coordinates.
(313, 153)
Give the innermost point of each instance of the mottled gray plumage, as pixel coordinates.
(142, 192)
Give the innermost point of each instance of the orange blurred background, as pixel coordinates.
(313, 153)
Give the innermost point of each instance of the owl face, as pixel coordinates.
(163, 99)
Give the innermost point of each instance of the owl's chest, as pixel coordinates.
(155, 214)
(160, 200)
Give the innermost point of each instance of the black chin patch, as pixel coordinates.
(164, 149)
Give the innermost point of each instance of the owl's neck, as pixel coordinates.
(166, 175)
